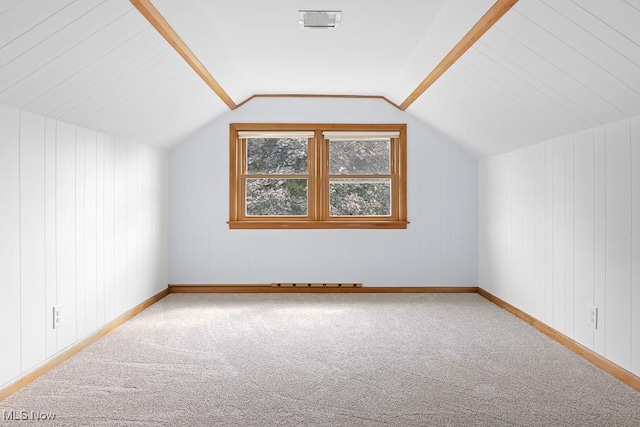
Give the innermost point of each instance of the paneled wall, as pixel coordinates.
(560, 229)
(83, 224)
(439, 247)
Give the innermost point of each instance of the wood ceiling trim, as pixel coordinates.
(497, 11)
(151, 14)
(300, 95)
(162, 26)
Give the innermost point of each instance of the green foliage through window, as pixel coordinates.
(279, 197)
(276, 155)
(360, 157)
(358, 197)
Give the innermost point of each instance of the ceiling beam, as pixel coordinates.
(492, 16)
(162, 26)
(300, 95)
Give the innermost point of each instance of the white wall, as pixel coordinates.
(438, 248)
(83, 223)
(560, 229)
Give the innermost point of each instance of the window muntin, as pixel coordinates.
(317, 176)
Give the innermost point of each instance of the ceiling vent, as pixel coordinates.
(319, 19)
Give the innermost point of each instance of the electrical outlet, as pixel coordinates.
(592, 316)
(57, 316)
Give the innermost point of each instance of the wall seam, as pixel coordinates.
(126, 224)
(552, 228)
(75, 228)
(604, 348)
(573, 243)
(534, 211)
(20, 228)
(522, 201)
(96, 233)
(593, 258)
(544, 230)
(44, 223)
(565, 231)
(631, 248)
(55, 220)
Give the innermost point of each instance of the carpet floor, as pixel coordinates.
(327, 360)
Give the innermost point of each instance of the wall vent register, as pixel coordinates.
(319, 19)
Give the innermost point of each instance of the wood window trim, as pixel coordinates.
(318, 184)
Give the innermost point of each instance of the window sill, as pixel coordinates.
(278, 225)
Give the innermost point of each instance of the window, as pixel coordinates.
(317, 176)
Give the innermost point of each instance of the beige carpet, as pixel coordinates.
(327, 360)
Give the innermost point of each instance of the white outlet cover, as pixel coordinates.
(57, 316)
(592, 316)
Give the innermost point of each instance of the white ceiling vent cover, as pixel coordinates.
(319, 19)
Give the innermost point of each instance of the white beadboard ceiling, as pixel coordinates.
(99, 64)
(547, 68)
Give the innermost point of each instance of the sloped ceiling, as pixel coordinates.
(252, 46)
(99, 64)
(547, 68)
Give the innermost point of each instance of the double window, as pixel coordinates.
(317, 176)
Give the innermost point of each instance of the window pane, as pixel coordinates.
(360, 197)
(276, 155)
(276, 197)
(360, 157)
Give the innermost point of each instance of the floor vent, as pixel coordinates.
(316, 285)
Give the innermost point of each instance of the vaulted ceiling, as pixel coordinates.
(545, 69)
